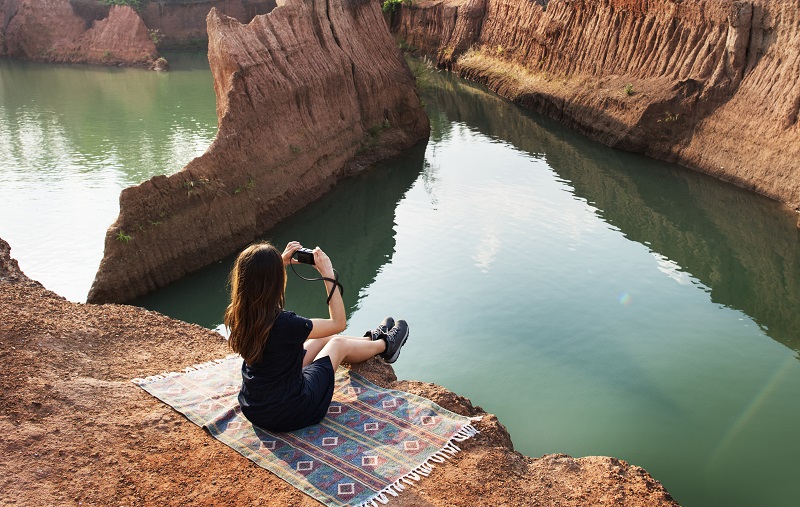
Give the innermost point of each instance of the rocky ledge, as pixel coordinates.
(77, 431)
(709, 84)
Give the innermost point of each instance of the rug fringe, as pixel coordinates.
(449, 450)
(194, 367)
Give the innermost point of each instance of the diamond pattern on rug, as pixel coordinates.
(372, 443)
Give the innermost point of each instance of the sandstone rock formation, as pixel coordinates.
(89, 31)
(53, 31)
(182, 23)
(710, 84)
(306, 95)
(77, 431)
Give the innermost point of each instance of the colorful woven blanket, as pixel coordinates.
(372, 444)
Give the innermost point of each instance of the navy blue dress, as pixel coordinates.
(277, 393)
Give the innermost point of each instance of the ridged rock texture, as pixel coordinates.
(306, 95)
(58, 31)
(709, 84)
(182, 23)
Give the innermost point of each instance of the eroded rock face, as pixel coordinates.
(53, 31)
(183, 24)
(122, 37)
(9, 268)
(710, 84)
(306, 95)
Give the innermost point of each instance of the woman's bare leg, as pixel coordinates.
(350, 349)
(313, 346)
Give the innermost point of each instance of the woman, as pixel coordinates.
(289, 361)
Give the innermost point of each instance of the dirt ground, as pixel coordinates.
(76, 431)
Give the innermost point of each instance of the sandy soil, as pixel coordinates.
(76, 431)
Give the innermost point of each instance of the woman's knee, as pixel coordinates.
(337, 342)
(336, 348)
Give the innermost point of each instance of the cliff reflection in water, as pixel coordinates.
(745, 249)
(140, 123)
(354, 224)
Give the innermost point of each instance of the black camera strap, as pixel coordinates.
(335, 282)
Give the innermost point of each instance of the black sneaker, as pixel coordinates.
(395, 339)
(381, 330)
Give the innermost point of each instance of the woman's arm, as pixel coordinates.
(338, 318)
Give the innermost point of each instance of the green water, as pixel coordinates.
(72, 137)
(598, 302)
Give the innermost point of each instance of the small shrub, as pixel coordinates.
(155, 36)
(122, 237)
(247, 186)
(295, 149)
(629, 89)
(136, 4)
(389, 6)
(191, 186)
(668, 117)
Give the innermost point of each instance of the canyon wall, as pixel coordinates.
(182, 23)
(54, 31)
(306, 95)
(709, 84)
(88, 31)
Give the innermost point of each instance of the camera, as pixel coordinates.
(304, 256)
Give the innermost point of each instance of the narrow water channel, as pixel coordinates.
(600, 303)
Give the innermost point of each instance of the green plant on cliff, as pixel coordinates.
(247, 186)
(629, 89)
(123, 238)
(136, 4)
(155, 36)
(668, 117)
(389, 6)
(192, 186)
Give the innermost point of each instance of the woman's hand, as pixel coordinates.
(323, 263)
(290, 249)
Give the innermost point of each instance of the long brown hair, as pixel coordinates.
(258, 282)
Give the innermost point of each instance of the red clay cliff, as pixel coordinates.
(89, 31)
(709, 84)
(182, 24)
(306, 95)
(53, 31)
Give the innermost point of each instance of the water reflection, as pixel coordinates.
(127, 118)
(354, 224)
(72, 137)
(743, 248)
(554, 281)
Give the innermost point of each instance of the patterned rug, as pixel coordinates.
(373, 443)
